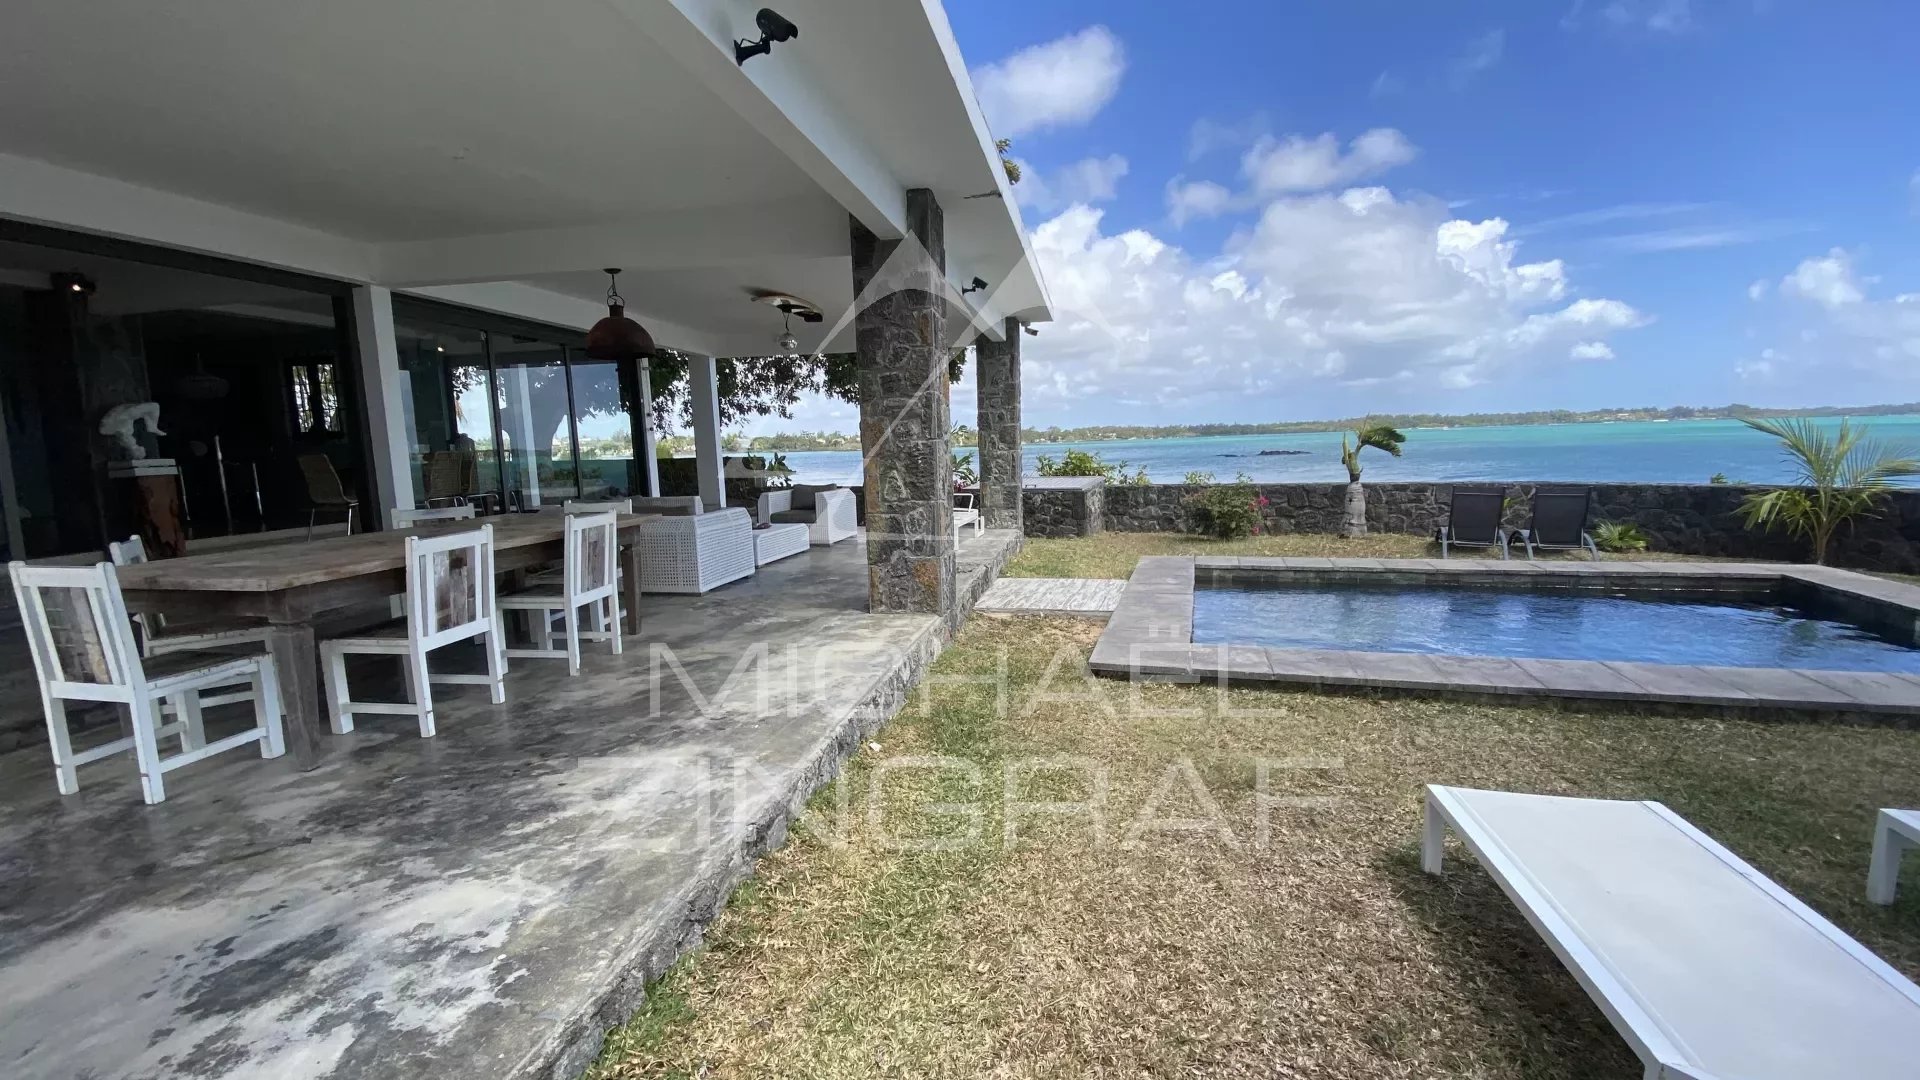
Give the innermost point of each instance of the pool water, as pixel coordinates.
(1466, 621)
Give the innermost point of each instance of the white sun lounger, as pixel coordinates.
(1709, 970)
(1895, 832)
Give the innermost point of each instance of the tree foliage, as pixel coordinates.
(1364, 434)
(1841, 475)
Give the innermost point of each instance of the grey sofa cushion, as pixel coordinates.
(795, 517)
(803, 494)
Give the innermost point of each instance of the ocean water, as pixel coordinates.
(1678, 451)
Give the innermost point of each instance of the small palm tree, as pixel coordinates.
(1364, 434)
(1841, 475)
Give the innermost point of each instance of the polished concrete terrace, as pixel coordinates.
(481, 904)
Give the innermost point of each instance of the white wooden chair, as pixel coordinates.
(450, 598)
(157, 638)
(403, 518)
(589, 579)
(83, 650)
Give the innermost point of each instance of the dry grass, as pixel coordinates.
(1322, 952)
(1112, 555)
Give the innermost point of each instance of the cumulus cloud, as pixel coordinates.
(1867, 333)
(1089, 180)
(1191, 199)
(1276, 166)
(1061, 83)
(1356, 287)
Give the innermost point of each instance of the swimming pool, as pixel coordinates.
(1567, 624)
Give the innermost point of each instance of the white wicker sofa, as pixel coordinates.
(827, 512)
(692, 553)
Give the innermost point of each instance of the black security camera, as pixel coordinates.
(773, 27)
(978, 284)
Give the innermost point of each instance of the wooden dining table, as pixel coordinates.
(292, 586)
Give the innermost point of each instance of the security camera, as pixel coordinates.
(976, 286)
(773, 28)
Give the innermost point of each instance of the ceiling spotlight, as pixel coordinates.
(772, 28)
(978, 284)
(73, 282)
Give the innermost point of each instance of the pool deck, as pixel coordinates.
(1150, 636)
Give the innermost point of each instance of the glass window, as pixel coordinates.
(536, 432)
(605, 431)
(447, 396)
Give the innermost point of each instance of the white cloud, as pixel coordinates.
(1655, 16)
(1830, 302)
(1697, 239)
(1480, 54)
(1191, 199)
(1297, 163)
(1826, 280)
(1757, 290)
(1089, 180)
(1058, 84)
(1209, 136)
(1355, 288)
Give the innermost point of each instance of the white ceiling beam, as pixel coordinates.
(718, 236)
(47, 194)
(780, 101)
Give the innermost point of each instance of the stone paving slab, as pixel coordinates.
(1053, 596)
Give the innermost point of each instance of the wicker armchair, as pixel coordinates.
(828, 513)
(696, 552)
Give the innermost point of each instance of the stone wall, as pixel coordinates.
(1064, 506)
(1689, 519)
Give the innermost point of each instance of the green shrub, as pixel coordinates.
(1618, 536)
(963, 471)
(1088, 463)
(1197, 478)
(1228, 511)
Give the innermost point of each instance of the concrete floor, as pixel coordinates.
(485, 903)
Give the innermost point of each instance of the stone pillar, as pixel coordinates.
(900, 338)
(997, 371)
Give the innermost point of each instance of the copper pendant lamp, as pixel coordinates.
(617, 337)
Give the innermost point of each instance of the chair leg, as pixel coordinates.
(266, 708)
(66, 774)
(612, 622)
(496, 646)
(416, 662)
(146, 750)
(193, 731)
(1883, 868)
(312, 513)
(334, 664)
(573, 639)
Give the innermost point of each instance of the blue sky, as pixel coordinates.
(1252, 211)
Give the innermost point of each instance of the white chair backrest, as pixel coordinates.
(77, 627)
(129, 552)
(592, 552)
(589, 506)
(403, 518)
(450, 589)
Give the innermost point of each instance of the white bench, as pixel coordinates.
(1894, 833)
(1709, 970)
(779, 542)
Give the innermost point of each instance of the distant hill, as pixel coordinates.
(810, 440)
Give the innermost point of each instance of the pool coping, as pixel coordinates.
(1150, 636)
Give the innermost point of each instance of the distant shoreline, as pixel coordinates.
(1054, 436)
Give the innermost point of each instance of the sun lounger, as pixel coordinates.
(1708, 969)
(1473, 520)
(1894, 834)
(1559, 523)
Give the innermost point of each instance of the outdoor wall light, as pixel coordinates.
(73, 282)
(772, 28)
(1031, 332)
(978, 284)
(617, 337)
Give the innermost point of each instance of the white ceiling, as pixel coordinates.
(539, 140)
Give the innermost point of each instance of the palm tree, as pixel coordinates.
(1364, 434)
(1841, 475)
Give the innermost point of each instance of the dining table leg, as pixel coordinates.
(630, 602)
(296, 663)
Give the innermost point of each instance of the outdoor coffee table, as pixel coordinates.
(778, 542)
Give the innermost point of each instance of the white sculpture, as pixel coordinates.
(119, 422)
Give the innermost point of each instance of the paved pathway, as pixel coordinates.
(1095, 597)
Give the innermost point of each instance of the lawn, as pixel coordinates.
(1250, 903)
(1112, 555)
